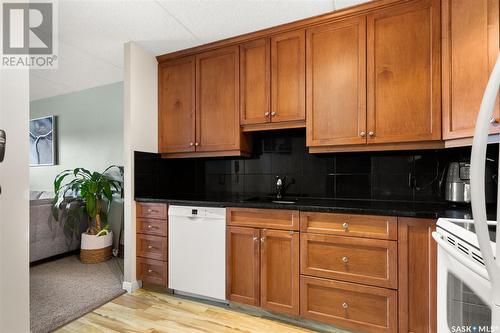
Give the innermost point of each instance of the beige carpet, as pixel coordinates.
(65, 289)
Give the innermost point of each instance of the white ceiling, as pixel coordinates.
(92, 33)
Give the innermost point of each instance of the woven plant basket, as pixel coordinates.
(96, 249)
(95, 256)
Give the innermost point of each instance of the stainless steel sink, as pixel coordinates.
(283, 202)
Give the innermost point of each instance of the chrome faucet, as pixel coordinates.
(281, 186)
(280, 183)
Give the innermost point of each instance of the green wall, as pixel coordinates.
(89, 131)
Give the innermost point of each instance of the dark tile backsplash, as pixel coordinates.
(402, 175)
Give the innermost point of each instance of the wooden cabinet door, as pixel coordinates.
(255, 82)
(417, 276)
(336, 83)
(243, 265)
(367, 261)
(176, 105)
(217, 100)
(470, 48)
(288, 76)
(403, 73)
(280, 271)
(349, 305)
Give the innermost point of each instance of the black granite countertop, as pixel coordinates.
(431, 210)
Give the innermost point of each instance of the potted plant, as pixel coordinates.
(80, 192)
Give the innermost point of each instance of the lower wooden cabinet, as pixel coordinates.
(243, 265)
(359, 272)
(263, 268)
(280, 271)
(353, 306)
(152, 247)
(152, 243)
(368, 261)
(417, 276)
(152, 271)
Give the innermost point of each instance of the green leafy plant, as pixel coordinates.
(80, 191)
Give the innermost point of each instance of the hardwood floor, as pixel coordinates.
(146, 311)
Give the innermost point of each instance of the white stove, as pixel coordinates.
(464, 289)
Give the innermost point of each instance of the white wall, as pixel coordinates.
(89, 131)
(14, 202)
(140, 133)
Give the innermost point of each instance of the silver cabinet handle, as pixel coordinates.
(262, 239)
(345, 225)
(191, 144)
(196, 144)
(150, 271)
(362, 134)
(266, 114)
(273, 113)
(149, 226)
(150, 246)
(345, 305)
(371, 133)
(255, 238)
(345, 260)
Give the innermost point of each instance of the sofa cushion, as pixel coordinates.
(34, 195)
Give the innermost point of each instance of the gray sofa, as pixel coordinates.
(48, 237)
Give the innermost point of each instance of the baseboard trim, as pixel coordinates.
(132, 286)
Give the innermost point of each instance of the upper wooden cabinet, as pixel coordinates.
(288, 76)
(176, 111)
(255, 82)
(199, 105)
(336, 83)
(217, 100)
(403, 67)
(272, 82)
(470, 48)
(384, 75)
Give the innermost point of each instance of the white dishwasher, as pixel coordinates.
(197, 251)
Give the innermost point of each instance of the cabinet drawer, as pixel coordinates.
(152, 227)
(152, 247)
(264, 218)
(369, 226)
(152, 271)
(357, 307)
(151, 210)
(367, 261)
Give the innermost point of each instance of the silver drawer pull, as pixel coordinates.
(149, 226)
(150, 246)
(262, 239)
(150, 271)
(345, 305)
(345, 225)
(255, 238)
(345, 260)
